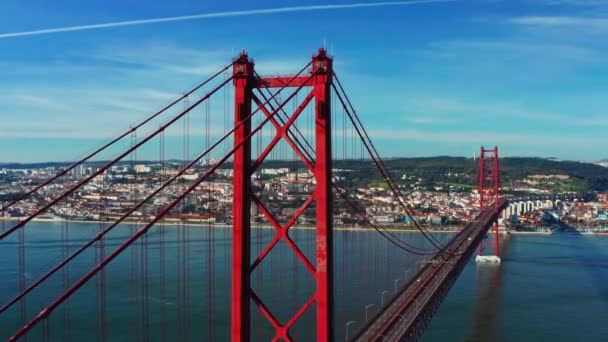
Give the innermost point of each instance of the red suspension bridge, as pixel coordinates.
(291, 274)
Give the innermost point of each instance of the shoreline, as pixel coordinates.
(224, 225)
(516, 232)
(257, 225)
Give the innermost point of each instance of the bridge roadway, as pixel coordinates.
(406, 317)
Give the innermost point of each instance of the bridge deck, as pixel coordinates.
(410, 312)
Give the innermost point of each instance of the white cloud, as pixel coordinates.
(279, 66)
(442, 110)
(174, 58)
(276, 10)
(448, 106)
(511, 50)
(482, 137)
(423, 120)
(34, 101)
(152, 74)
(158, 94)
(163, 55)
(560, 21)
(587, 23)
(574, 2)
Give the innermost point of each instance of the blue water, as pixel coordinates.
(547, 288)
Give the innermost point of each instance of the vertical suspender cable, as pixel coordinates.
(143, 230)
(112, 142)
(210, 236)
(162, 235)
(23, 304)
(102, 275)
(135, 248)
(187, 236)
(65, 275)
(380, 164)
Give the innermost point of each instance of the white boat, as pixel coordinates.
(48, 217)
(488, 259)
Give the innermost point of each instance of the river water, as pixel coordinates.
(548, 288)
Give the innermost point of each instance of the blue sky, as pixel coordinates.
(428, 79)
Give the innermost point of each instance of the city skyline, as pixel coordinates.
(524, 75)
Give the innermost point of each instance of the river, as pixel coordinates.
(552, 288)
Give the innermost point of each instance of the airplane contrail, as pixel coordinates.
(218, 15)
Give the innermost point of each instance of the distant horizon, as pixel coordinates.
(3, 163)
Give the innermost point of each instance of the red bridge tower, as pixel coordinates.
(489, 185)
(245, 81)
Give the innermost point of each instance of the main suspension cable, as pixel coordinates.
(365, 217)
(49, 309)
(343, 193)
(22, 223)
(110, 143)
(380, 164)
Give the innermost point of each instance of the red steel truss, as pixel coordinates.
(489, 185)
(245, 82)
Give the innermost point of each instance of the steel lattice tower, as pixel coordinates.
(245, 81)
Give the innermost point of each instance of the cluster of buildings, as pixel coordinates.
(123, 190)
(567, 215)
(114, 192)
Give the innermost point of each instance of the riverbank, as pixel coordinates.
(257, 225)
(516, 232)
(224, 225)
